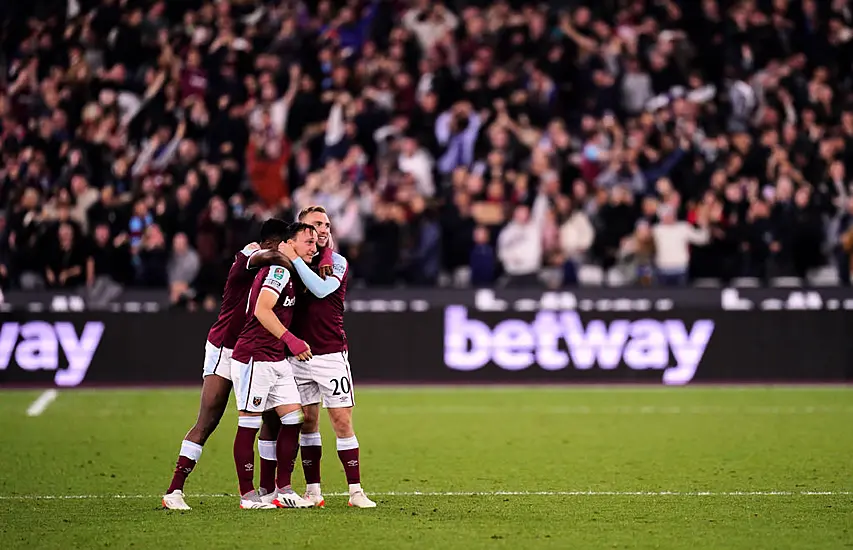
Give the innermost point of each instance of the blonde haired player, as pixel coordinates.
(326, 378)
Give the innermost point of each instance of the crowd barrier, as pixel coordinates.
(454, 344)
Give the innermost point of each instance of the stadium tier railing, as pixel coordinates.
(743, 298)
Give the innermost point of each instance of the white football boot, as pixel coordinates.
(251, 501)
(287, 498)
(266, 497)
(316, 499)
(357, 499)
(175, 501)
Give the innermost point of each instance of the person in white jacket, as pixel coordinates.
(429, 23)
(418, 162)
(576, 236)
(520, 244)
(672, 246)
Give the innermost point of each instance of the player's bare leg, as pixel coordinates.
(287, 447)
(347, 445)
(266, 450)
(248, 425)
(311, 448)
(214, 399)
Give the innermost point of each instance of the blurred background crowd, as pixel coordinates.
(463, 143)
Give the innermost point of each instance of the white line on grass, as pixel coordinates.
(568, 387)
(617, 410)
(480, 494)
(41, 403)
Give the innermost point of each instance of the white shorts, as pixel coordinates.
(217, 361)
(327, 377)
(263, 385)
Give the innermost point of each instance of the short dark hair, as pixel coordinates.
(274, 229)
(297, 228)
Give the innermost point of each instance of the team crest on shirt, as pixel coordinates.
(256, 401)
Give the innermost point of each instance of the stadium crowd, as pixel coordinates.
(143, 141)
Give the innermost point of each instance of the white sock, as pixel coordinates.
(250, 422)
(354, 488)
(347, 443)
(313, 488)
(191, 450)
(266, 449)
(310, 440)
(293, 418)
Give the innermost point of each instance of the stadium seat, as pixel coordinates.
(746, 282)
(786, 282)
(590, 275)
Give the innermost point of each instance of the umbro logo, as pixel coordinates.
(352, 463)
(249, 467)
(307, 462)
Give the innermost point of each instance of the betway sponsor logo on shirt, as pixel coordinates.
(560, 340)
(38, 345)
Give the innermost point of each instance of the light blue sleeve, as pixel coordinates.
(316, 284)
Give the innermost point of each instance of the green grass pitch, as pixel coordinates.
(496, 468)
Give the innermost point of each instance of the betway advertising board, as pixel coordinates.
(456, 344)
(555, 342)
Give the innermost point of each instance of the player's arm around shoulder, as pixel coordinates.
(259, 259)
(318, 286)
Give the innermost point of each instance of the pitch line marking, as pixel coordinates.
(42, 402)
(476, 494)
(620, 410)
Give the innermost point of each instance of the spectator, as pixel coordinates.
(758, 241)
(24, 237)
(418, 163)
(639, 253)
(808, 234)
(576, 237)
(383, 236)
(139, 222)
(413, 126)
(520, 246)
(213, 240)
(483, 268)
(426, 264)
(109, 266)
(183, 267)
(110, 255)
(67, 264)
(153, 259)
(456, 131)
(616, 219)
(672, 240)
(844, 249)
(84, 198)
(430, 23)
